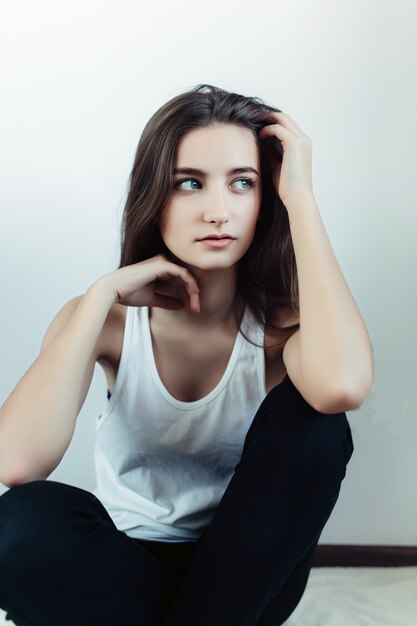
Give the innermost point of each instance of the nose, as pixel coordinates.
(215, 211)
(216, 217)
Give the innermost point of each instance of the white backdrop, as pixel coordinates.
(79, 81)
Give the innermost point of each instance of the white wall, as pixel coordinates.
(79, 81)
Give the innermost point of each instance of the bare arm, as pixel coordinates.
(329, 358)
(38, 419)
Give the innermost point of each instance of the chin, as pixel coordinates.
(216, 265)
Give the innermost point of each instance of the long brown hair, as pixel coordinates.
(267, 273)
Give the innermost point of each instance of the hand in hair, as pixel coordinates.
(142, 284)
(292, 176)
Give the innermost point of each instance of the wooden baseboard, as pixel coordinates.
(335, 555)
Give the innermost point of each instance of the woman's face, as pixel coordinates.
(210, 219)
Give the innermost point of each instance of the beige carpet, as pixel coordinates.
(352, 596)
(358, 596)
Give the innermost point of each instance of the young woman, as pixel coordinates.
(232, 348)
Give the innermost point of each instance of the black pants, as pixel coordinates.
(64, 563)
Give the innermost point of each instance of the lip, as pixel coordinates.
(217, 237)
(217, 240)
(221, 242)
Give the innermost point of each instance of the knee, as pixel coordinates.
(33, 499)
(324, 443)
(16, 528)
(23, 509)
(287, 431)
(32, 513)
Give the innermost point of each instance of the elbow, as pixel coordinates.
(13, 478)
(19, 475)
(341, 400)
(11, 481)
(344, 397)
(336, 403)
(19, 463)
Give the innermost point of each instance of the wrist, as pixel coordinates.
(300, 201)
(103, 290)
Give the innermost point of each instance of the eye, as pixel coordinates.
(187, 184)
(244, 183)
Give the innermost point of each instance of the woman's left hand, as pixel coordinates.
(292, 177)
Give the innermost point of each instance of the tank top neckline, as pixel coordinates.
(150, 357)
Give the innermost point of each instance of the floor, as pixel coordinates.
(353, 596)
(358, 596)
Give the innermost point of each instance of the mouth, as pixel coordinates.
(215, 237)
(217, 241)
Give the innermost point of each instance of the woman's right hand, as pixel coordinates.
(140, 284)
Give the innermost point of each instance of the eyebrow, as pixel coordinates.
(192, 171)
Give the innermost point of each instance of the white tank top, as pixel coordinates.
(162, 465)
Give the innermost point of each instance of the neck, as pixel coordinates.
(217, 300)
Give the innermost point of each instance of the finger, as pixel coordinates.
(195, 302)
(188, 279)
(286, 121)
(175, 287)
(176, 271)
(275, 130)
(166, 302)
